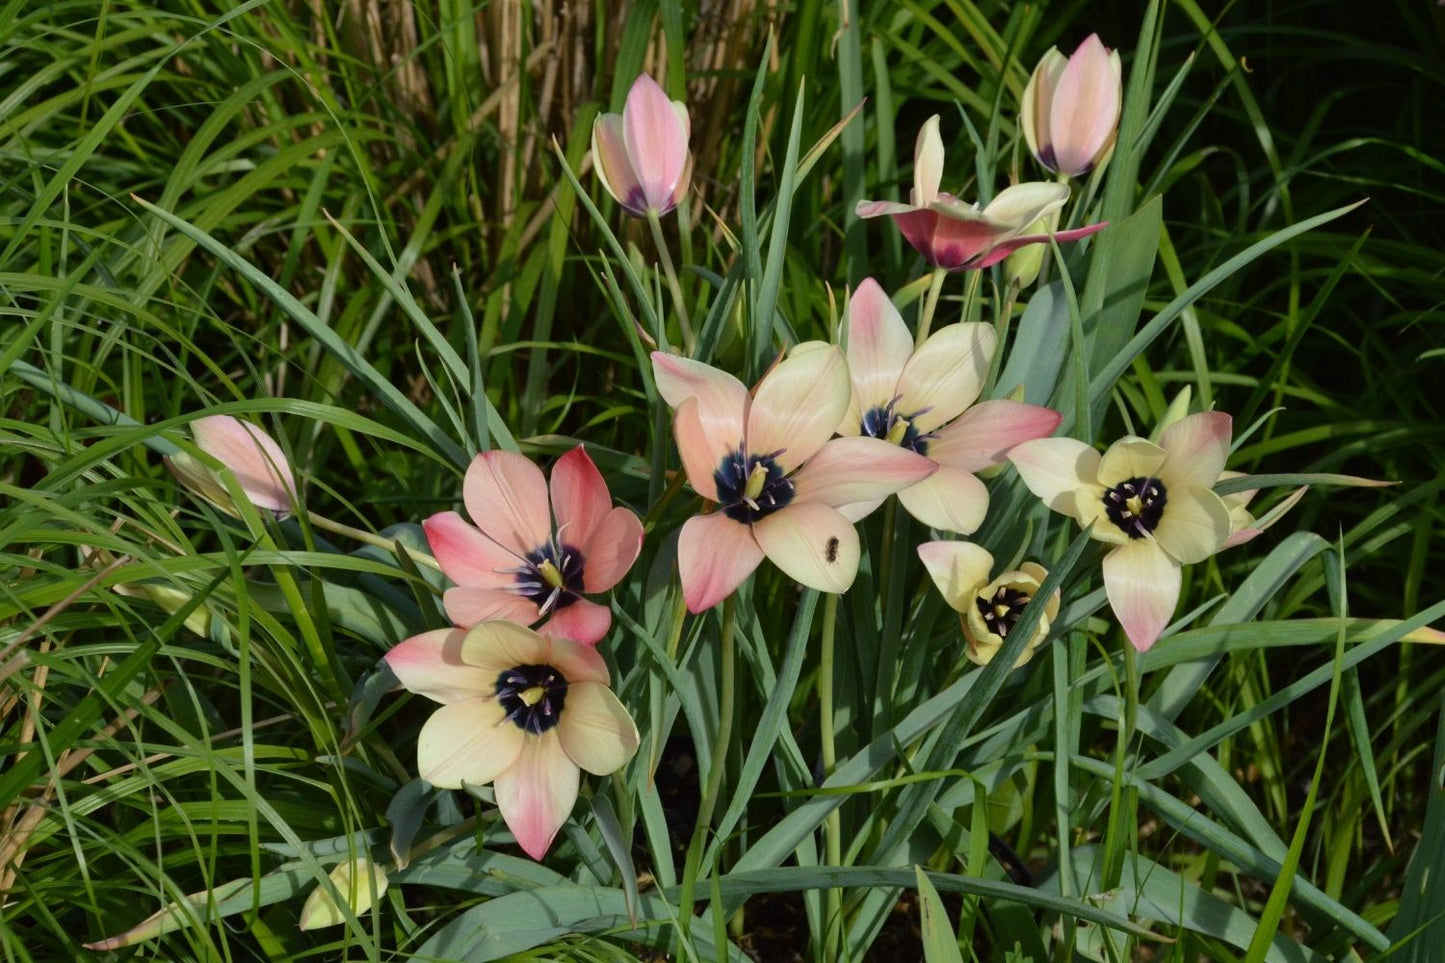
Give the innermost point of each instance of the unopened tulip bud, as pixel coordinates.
(252, 457)
(641, 155)
(1070, 109)
(357, 881)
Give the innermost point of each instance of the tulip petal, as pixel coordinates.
(466, 605)
(1131, 457)
(430, 664)
(1085, 108)
(581, 621)
(595, 729)
(253, 456)
(1194, 525)
(946, 374)
(959, 569)
(1091, 509)
(850, 470)
(879, 346)
(470, 741)
(1034, 108)
(580, 498)
(614, 169)
(927, 163)
(611, 550)
(813, 544)
(983, 435)
(1198, 446)
(1004, 248)
(468, 557)
(719, 394)
(656, 139)
(714, 555)
(950, 500)
(950, 241)
(1142, 583)
(799, 404)
(702, 451)
(1014, 208)
(506, 497)
(495, 646)
(1053, 468)
(577, 662)
(537, 792)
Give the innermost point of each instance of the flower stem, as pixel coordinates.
(379, 541)
(833, 823)
(930, 303)
(689, 342)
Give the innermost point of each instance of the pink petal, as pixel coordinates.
(859, 469)
(611, 551)
(506, 496)
(946, 242)
(581, 621)
(580, 497)
(537, 792)
(254, 457)
(1198, 446)
(614, 169)
(721, 414)
(799, 404)
(470, 741)
(430, 664)
(946, 373)
(813, 544)
(466, 556)
(714, 555)
(879, 345)
(595, 730)
(1142, 583)
(1085, 108)
(1053, 468)
(951, 500)
(1005, 248)
(983, 435)
(466, 605)
(959, 569)
(702, 450)
(656, 138)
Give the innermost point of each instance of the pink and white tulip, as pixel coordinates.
(522, 561)
(1155, 503)
(922, 401)
(523, 711)
(988, 609)
(777, 479)
(641, 154)
(252, 457)
(1070, 109)
(956, 236)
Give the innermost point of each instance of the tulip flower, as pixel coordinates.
(956, 236)
(778, 482)
(988, 609)
(252, 457)
(1243, 526)
(356, 880)
(922, 401)
(641, 154)
(1154, 502)
(523, 711)
(1070, 109)
(514, 563)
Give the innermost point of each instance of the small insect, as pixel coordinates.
(830, 552)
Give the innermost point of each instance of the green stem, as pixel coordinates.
(678, 301)
(380, 541)
(833, 823)
(930, 304)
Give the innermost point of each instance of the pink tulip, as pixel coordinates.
(251, 456)
(514, 563)
(524, 711)
(959, 237)
(778, 481)
(641, 154)
(1070, 109)
(923, 401)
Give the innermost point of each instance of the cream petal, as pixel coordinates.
(813, 544)
(959, 569)
(857, 511)
(1085, 109)
(714, 555)
(581, 621)
(927, 163)
(1198, 446)
(614, 169)
(1090, 509)
(656, 141)
(1245, 527)
(537, 792)
(580, 498)
(982, 436)
(946, 373)
(576, 661)
(1034, 108)
(866, 209)
(1131, 457)
(846, 471)
(506, 496)
(1016, 207)
(1142, 583)
(253, 457)
(470, 741)
(1053, 468)
(879, 345)
(611, 550)
(430, 664)
(495, 646)
(798, 405)
(1194, 525)
(950, 500)
(466, 605)
(595, 729)
(468, 557)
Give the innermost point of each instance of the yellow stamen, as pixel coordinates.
(550, 574)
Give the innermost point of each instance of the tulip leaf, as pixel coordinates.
(939, 943)
(407, 808)
(1418, 930)
(1039, 347)
(1246, 483)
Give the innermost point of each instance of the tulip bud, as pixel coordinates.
(1021, 268)
(251, 456)
(172, 600)
(641, 155)
(355, 880)
(1070, 108)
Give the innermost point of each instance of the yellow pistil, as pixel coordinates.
(550, 574)
(533, 695)
(756, 479)
(897, 430)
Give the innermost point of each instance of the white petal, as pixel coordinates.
(927, 163)
(879, 345)
(1198, 446)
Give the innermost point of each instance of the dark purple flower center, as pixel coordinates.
(886, 422)
(552, 577)
(750, 487)
(1135, 506)
(1001, 611)
(532, 696)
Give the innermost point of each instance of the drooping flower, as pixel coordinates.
(923, 401)
(1155, 503)
(1070, 108)
(956, 236)
(641, 154)
(514, 563)
(252, 457)
(778, 481)
(988, 609)
(520, 710)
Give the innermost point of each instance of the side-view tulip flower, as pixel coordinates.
(923, 400)
(956, 236)
(778, 481)
(1070, 108)
(252, 457)
(641, 154)
(988, 609)
(1155, 503)
(523, 711)
(514, 563)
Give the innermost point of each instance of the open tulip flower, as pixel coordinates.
(1155, 503)
(252, 457)
(956, 236)
(641, 154)
(922, 401)
(778, 481)
(515, 564)
(521, 710)
(1070, 109)
(988, 609)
